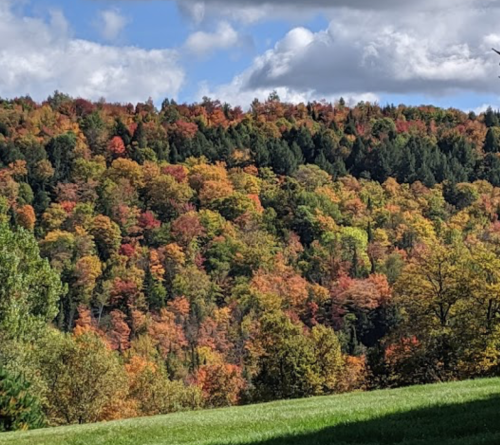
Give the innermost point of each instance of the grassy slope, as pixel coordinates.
(459, 413)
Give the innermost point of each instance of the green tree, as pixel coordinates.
(30, 289)
(492, 142)
(60, 152)
(329, 359)
(286, 367)
(19, 410)
(84, 378)
(355, 163)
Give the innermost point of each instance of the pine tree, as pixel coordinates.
(305, 141)
(140, 136)
(260, 152)
(19, 410)
(339, 168)
(491, 143)
(356, 160)
(60, 151)
(122, 131)
(490, 118)
(283, 160)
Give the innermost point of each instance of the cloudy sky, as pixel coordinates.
(390, 51)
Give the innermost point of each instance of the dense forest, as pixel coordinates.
(156, 260)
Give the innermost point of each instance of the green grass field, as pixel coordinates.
(458, 413)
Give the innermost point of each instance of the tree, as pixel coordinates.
(166, 195)
(84, 378)
(60, 151)
(187, 228)
(87, 271)
(330, 360)
(221, 384)
(312, 177)
(356, 160)
(492, 142)
(116, 146)
(293, 364)
(30, 289)
(119, 335)
(432, 292)
(152, 391)
(283, 159)
(19, 410)
(26, 217)
(107, 236)
(490, 118)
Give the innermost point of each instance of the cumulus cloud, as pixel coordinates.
(111, 23)
(434, 51)
(482, 108)
(204, 43)
(235, 94)
(38, 57)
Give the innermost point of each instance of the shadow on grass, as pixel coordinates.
(471, 423)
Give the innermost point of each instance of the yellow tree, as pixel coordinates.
(481, 324)
(433, 293)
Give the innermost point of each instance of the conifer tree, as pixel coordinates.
(19, 410)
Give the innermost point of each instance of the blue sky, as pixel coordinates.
(235, 50)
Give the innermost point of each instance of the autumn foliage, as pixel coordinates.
(198, 255)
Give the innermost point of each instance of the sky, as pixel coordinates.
(386, 51)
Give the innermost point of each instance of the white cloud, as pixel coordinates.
(482, 108)
(59, 23)
(38, 57)
(433, 51)
(204, 43)
(235, 94)
(111, 23)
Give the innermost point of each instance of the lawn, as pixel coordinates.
(455, 413)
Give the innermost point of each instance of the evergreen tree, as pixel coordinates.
(339, 169)
(122, 131)
(323, 163)
(406, 168)
(297, 153)
(305, 141)
(283, 160)
(491, 169)
(175, 157)
(260, 152)
(140, 136)
(381, 161)
(490, 118)
(491, 143)
(60, 153)
(356, 160)
(19, 410)
(350, 126)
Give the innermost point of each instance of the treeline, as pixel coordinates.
(409, 144)
(201, 256)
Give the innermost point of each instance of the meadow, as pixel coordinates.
(464, 413)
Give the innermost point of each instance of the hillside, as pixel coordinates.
(447, 414)
(202, 256)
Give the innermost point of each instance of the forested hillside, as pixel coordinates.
(202, 256)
